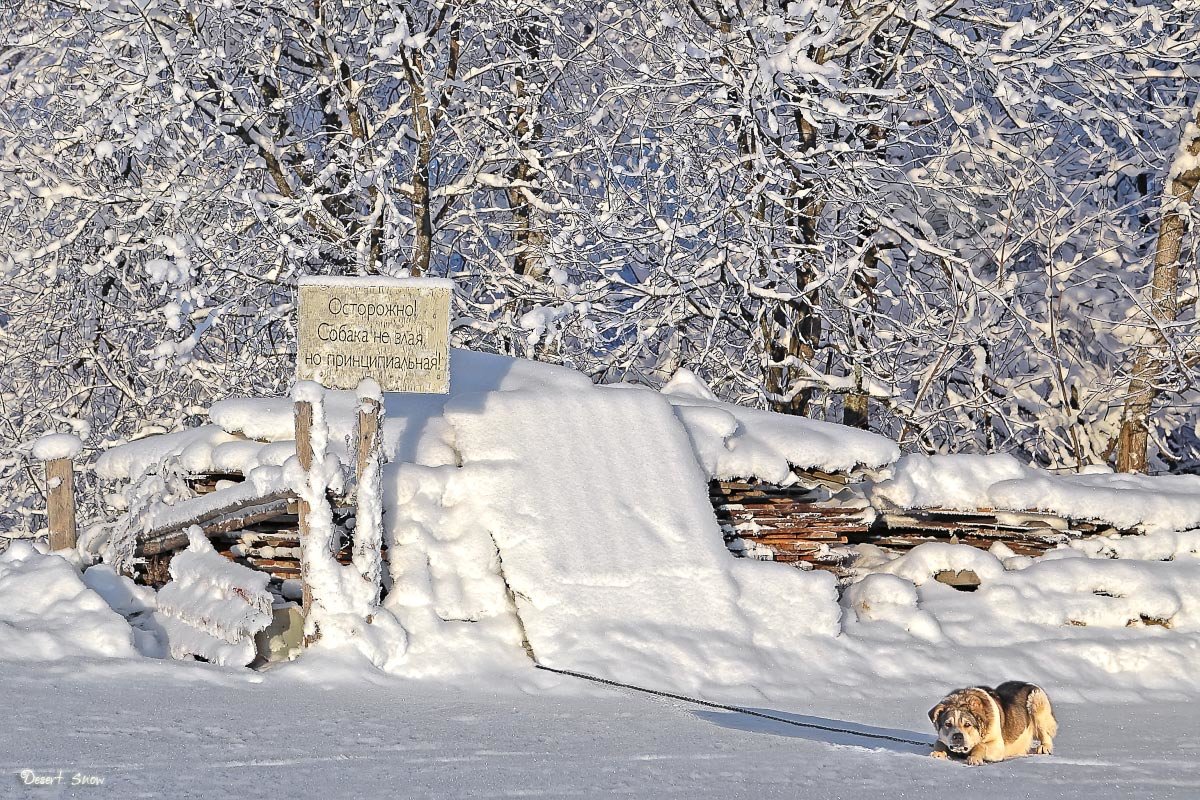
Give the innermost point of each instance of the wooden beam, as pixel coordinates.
(368, 434)
(224, 520)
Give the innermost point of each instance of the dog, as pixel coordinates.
(986, 724)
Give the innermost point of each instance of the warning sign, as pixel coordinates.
(394, 330)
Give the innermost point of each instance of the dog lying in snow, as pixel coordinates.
(986, 724)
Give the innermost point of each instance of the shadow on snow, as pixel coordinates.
(851, 737)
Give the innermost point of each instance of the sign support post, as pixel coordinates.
(394, 331)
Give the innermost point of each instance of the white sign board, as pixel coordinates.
(394, 330)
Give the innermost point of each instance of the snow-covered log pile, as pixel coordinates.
(1148, 504)
(530, 512)
(212, 607)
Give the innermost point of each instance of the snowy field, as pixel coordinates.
(161, 730)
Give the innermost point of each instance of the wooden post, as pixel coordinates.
(368, 434)
(304, 453)
(60, 503)
(368, 533)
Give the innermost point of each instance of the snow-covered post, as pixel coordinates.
(304, 454)
(368, 530)
(57, 451)
(318, 473)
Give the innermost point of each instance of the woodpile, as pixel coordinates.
(1025, 534)
(813, 523)
(262, 533)
(270, 544)
(797, 523)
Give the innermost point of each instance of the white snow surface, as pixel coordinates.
(606, 553)
(47, 613)
(968, 482)
(192, 448)
(736, 442)
(56, 445)
(150, 729)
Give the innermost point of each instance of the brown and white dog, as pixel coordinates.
(986, 724)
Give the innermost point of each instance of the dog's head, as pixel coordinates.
(961, 719)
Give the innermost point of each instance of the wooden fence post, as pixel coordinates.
(368, 531)
(304, 453)
(60, 505)
(368, 434)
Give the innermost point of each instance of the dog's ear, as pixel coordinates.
(936, 712)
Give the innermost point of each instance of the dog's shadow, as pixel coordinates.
(850, 735)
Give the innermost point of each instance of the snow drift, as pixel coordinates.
(47, 613)
(968, 482)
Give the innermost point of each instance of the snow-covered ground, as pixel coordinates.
(531, 516)
(174, 730)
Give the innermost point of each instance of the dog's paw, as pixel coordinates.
(939, 754)
(1044, 749)
(974, 760)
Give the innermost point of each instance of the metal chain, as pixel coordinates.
(736, 709)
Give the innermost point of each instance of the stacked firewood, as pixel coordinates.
(1024, 533)
(262, 533)
(812, 523)
(797, 523)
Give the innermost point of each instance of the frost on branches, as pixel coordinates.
(937, 220)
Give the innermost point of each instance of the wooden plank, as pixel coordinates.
(369, 529)
(220, 520)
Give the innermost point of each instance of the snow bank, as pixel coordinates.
(968, 482)
(47, 613)
(192, 448)
(616, 565)
(1098, 593)
(888, 598)
(924, 561)
(446, 588)
(1163, 546)
(736, 442)
(410, 433)
(1064, 588)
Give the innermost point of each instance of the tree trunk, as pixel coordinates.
(1150, 362)
(529, 237)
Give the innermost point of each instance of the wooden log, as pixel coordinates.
(60, 503)
(219, 520)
